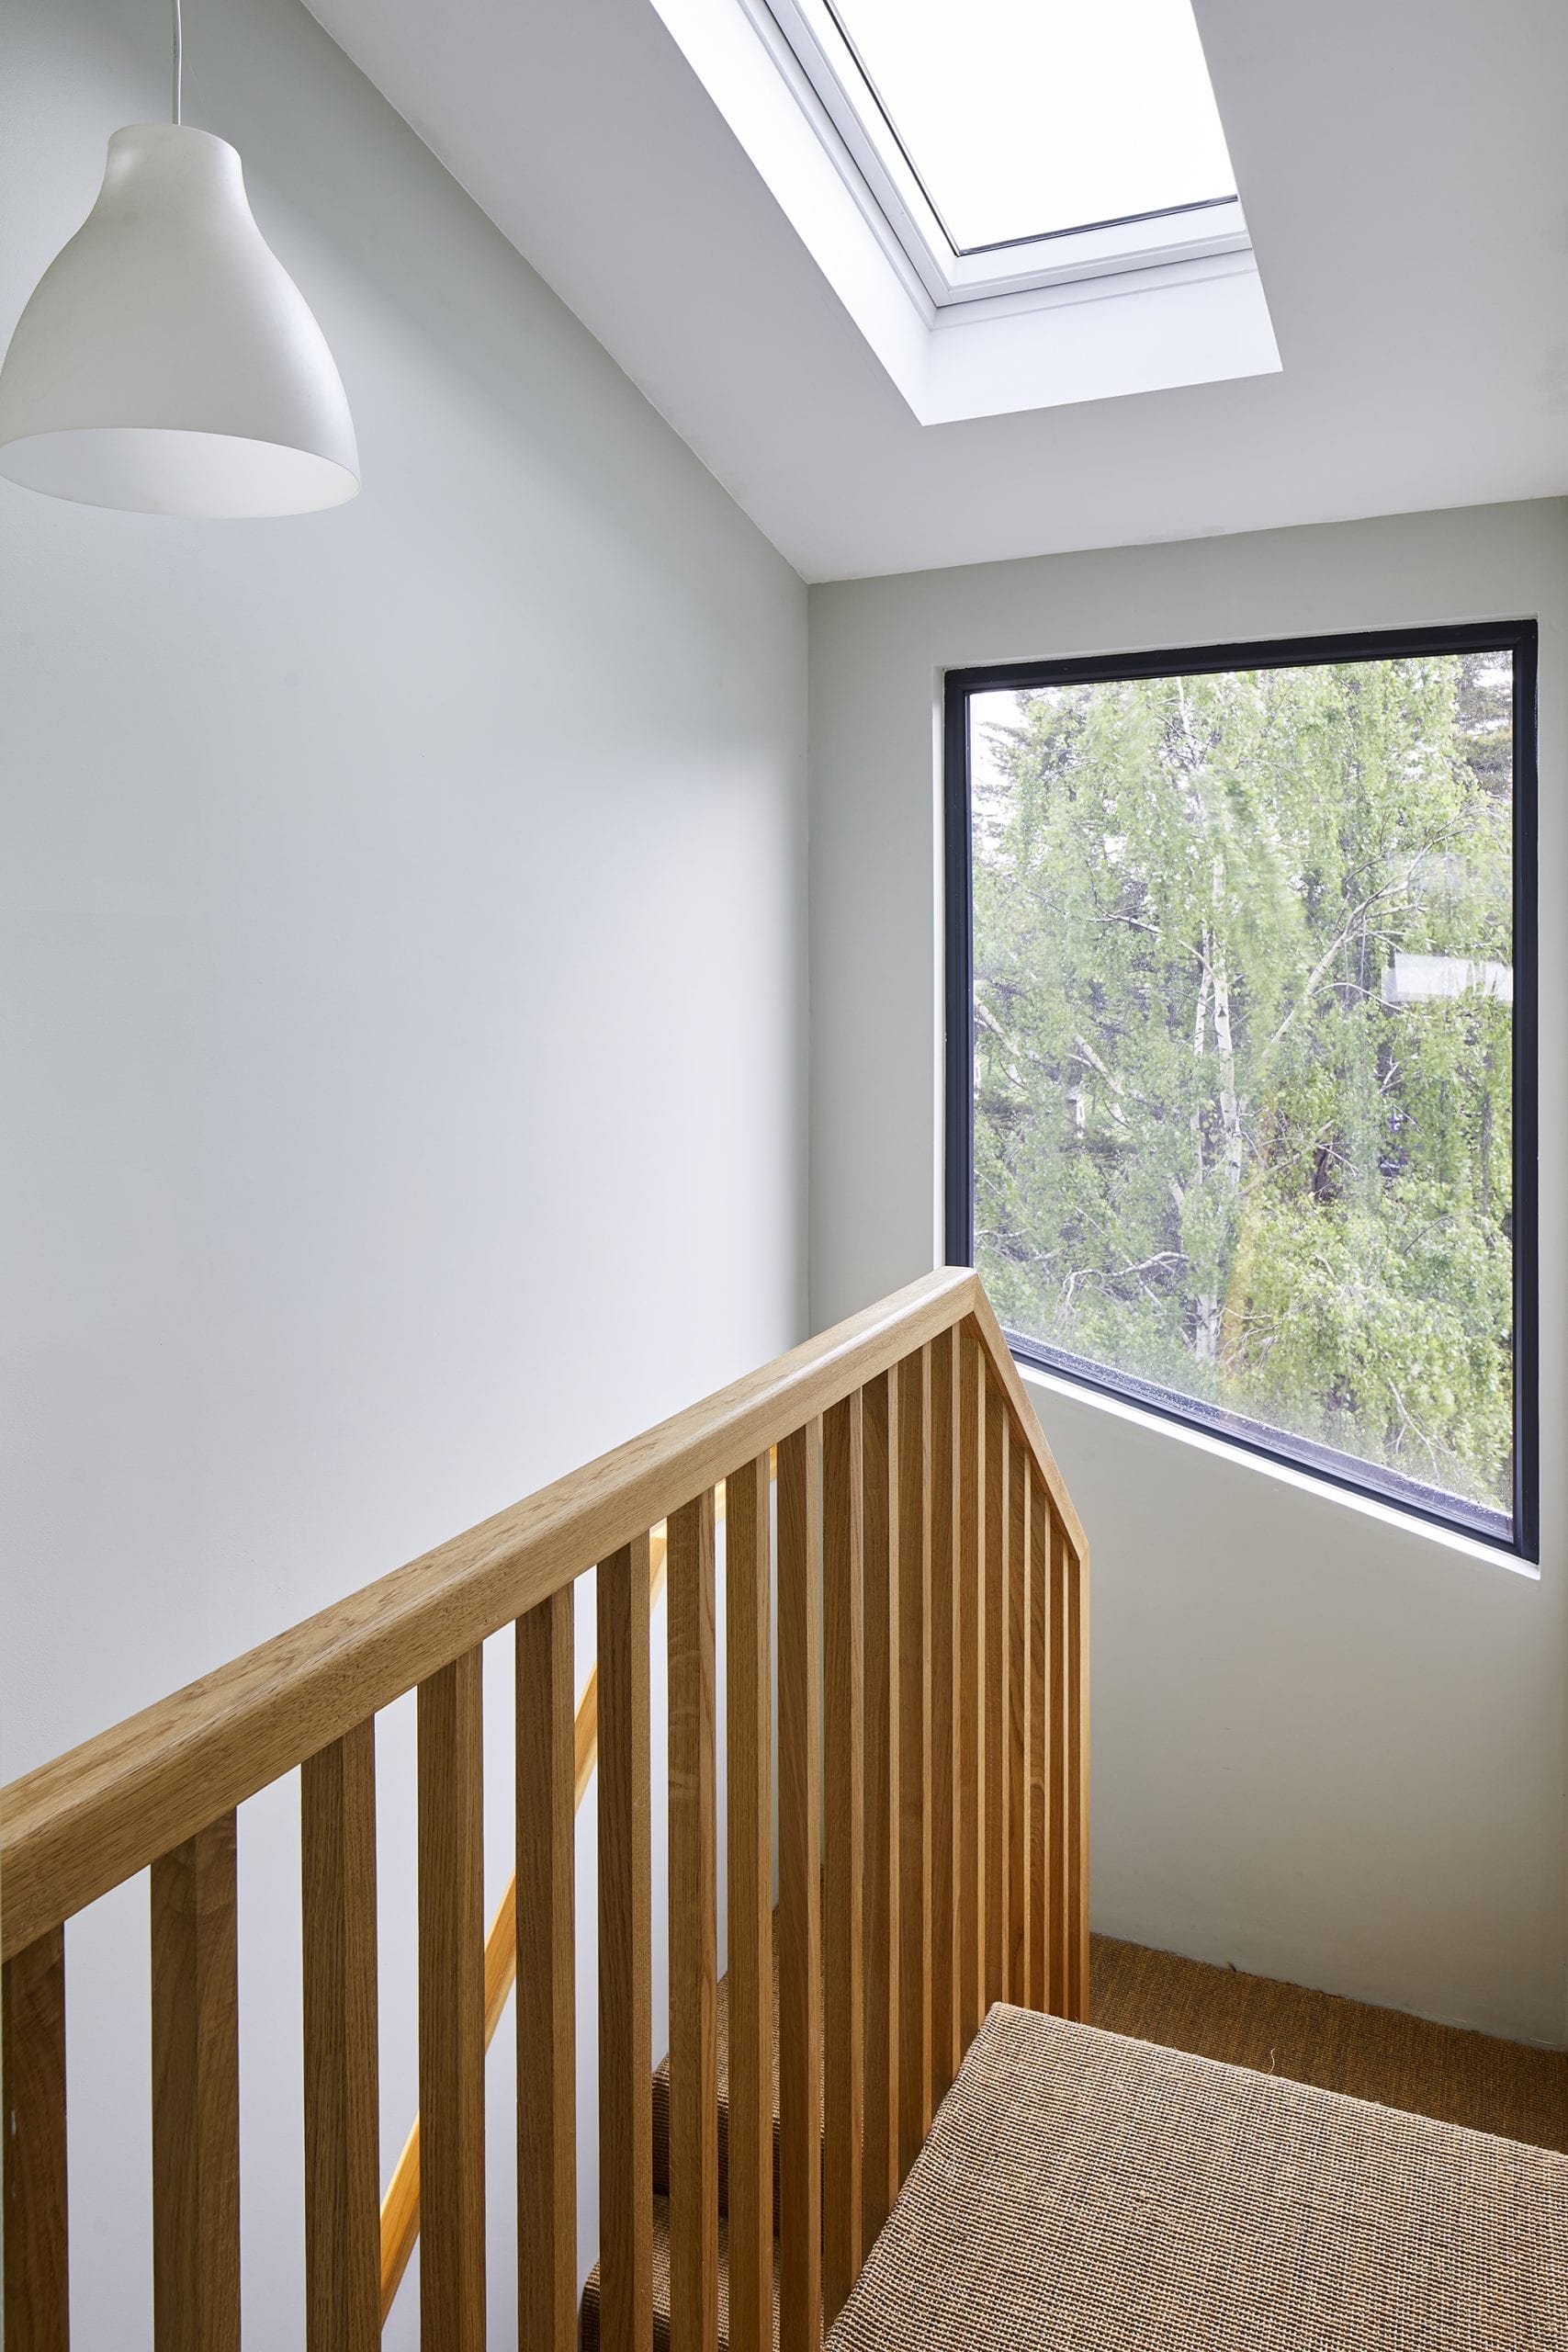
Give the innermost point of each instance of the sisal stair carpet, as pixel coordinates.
(1381, 2054)
(1084, 2192)
(1299, 2037)
(589, 2318)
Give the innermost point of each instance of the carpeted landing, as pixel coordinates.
(1381, 2054)
(1085, 2192)
(1253, 2201)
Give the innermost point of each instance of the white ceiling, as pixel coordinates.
(1404, 166)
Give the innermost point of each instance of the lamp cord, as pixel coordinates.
(179, 59)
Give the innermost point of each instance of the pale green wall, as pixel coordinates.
(378, 891)
(1325, 1747)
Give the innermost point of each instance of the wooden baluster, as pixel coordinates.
(879, 1428)
(33, 2060)
(625, 2017)
(1077, 1787)
(914, 1762)
(544, 1894)
(693, 1931)
(343, 2119)
(1040, 1908)
(195, 2096)
(749, 1757)
(970, 1709)
(452, 2007)
(996, 1700)
(1017, 1719)
(1056, 1767)
(800, 1891)
(944, 1754)
(843, 2036)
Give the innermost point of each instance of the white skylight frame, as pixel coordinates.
(841, 101)
(1116, 327)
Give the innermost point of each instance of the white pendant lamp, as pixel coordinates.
(167, 363)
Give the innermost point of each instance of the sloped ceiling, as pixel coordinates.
(1403, 166)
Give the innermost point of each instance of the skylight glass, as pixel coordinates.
(1024, 119)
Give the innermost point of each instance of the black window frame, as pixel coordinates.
(1518, 638)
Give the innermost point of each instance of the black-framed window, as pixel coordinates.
(1241, 1046)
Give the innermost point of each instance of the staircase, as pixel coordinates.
(589, 2330)
(904, 1565)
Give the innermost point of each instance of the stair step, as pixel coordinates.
(661, 2105)
(589, 2319)
(588, 2328)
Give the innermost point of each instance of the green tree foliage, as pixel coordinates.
(1221, 1142)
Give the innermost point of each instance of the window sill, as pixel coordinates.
(1469, 1547)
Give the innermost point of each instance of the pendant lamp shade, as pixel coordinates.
(167, 362)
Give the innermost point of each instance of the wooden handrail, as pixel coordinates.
(988, 1331)
(92, 1818)
(919, 1508)
(400, 2206)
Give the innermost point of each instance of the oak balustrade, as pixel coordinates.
(929, 1578)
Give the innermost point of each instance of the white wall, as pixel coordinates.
(1325, 1747)
(401, 1012)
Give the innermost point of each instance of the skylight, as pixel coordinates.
(1022, 118)
(1012, 144)
(1021, 204)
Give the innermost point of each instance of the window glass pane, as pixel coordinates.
(1244, 996)
(1025, 117)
